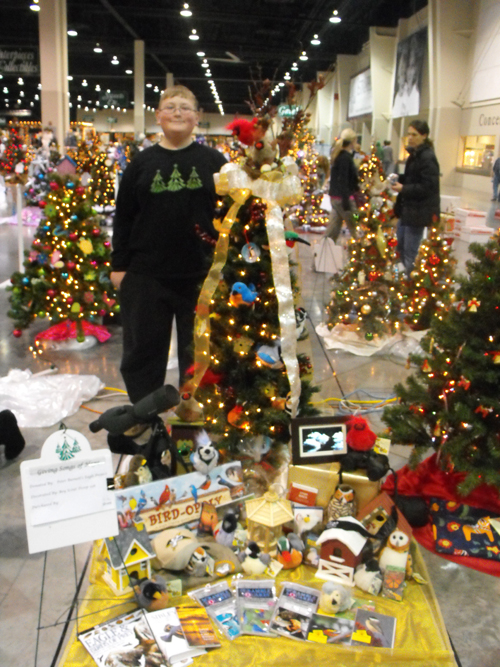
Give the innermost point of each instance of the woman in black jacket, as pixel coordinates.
(343, 184)
(418, 200)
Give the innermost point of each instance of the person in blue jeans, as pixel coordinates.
(496, 178)
(418, 201)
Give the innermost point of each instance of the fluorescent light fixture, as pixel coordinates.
(35, 7)
(72, 33)
(115, 61)
(201, 54)
(20, 81)
(129, 71)
(315, 41)
(194, 35)
(97, 48)
(335, 18)
(149, 85)
(70, 78)
(303, 56)
(294, 67)
(185, 11)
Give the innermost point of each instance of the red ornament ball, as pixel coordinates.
(51, 293)
(70, 265)
(69, 300)
(17, 333)
(102, 312)
(106, 244)
(96, 232)
(80, 190)
(53, 185)
(42, 204)
(72, 236)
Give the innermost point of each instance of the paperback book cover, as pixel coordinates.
(125, 640)
(171, 638)
(373, 629)
(330, 630)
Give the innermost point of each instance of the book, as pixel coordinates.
(303, 494)
(373, 629)
(125, 640)
(182, 632)
(394, 582)
(330, 630)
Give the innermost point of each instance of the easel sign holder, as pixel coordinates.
(65, 493)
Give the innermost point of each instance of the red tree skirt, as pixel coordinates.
(428, 481)
(67, 329)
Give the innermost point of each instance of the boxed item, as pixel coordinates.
(449, 204)
(470, 218)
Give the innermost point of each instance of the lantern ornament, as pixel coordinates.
(265, 516)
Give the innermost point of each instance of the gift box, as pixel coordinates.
(325, 477)
(470, 218)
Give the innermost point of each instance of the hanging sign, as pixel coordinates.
(22, 62)
(117, 99)
(288, 110)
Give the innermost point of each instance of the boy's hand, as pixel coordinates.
(116, 278)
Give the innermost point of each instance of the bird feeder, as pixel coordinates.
(265, 516)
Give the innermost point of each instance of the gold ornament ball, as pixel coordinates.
(414, 275)
(366, 309)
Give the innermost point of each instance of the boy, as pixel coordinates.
(164, 207)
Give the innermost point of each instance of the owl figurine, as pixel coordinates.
(342, 503)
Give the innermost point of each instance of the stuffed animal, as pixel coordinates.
(360, 440)
(198, 563)
(151, 594)
(205, 456)
(289, 551)
(342, 503)
(334, 598)
(253, 560)
(368, 577)
(396, 552)
(225, 530)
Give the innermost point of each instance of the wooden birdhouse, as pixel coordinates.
(66, 166)
(379, 511)
(266, 516)
(340, 552)
(127, 555)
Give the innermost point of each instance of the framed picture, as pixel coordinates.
(318, 439)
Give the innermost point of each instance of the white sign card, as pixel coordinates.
(66, 499)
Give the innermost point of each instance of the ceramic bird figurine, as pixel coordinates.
(242, 295)
(291, 238)
(289, 551)
(253, 560)
(342, 503)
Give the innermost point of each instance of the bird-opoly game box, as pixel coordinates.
(166, 503)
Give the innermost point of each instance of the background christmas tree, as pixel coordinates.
(367, 293)
(451, 403)
(102, 183)
(430, 288)
(67, 269)
(245, 390)
(13, 161)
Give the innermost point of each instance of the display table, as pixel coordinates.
(421, 637)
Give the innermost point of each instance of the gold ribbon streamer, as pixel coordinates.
(284, 295)
(202, 318)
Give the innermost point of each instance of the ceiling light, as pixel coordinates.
(205, 64)
(5, 90)
(128, 71)
(70, 78)
(84, 83)
(315, 41)
(294, 67)
(97, 48)
(281, 84)
(194, 36)
(20, 81)
(335, 18)
(201, 54)
(303, 56)
(208, 73)
(79, 98)
(149, 85)
(98, 87)
(115, 61)
(37, 97)
(39, 86)
(35, 7)
(287, 77)
(185, 11)
(72, 33)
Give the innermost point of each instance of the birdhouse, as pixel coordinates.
(341, 548)
(266, 516)
(66, 166)
(126, 555)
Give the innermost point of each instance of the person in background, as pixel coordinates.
(495, 173)
(344, 184)
(162, 246)
(387, 158)
(418, 201)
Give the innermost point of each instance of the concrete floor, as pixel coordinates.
(469, 600)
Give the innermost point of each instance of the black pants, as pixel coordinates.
(147, 310)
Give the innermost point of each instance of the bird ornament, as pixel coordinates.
(242, 295)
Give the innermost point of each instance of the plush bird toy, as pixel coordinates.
(242, 295)
(253, 560)
(396, 552)
(359, 437)
(225, 530)
(360, 441)
(151, 594)
(289, 551)
(243, 129)
(368, 577)
(334, 598)
(205, 456)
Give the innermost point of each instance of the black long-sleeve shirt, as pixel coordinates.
(163, 195)
(343, 178)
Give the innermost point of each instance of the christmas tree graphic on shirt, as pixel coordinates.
(176, 182)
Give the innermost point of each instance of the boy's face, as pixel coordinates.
(177, 117)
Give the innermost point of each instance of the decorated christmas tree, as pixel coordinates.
(37, 185)
(102, 182)
(249, 376)
(430, 288)
(366, 295)
(13, 163)
(451, 402)
(66, 272)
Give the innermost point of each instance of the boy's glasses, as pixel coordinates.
(171, 108)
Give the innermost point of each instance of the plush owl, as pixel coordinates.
(396, 552)
(342, 503)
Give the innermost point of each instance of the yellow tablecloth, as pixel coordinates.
(421, 637)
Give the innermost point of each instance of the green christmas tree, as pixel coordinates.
(158, 184)
(66, 272)
(451, 402)
(194, 181)
(245, 392)
(366, 294)
(102, 183)
(13, 160)
(176, 181)
(430, 288)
